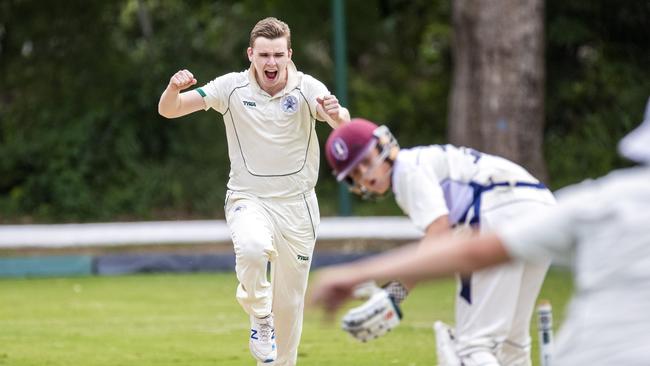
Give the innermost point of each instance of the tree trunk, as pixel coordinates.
(497, 96)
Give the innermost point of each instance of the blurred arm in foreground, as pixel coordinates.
(412, 263)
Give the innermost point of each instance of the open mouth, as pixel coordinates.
(271, 75)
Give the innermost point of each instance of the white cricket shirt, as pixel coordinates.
(602, 229)
(432, 181)
(272, 141)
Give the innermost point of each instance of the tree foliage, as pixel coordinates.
(598, 82)
(81, 140)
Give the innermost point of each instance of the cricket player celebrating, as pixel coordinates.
(269, 112)
(599, 227)
(440, 187)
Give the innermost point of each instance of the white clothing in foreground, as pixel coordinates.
(635, 145)
(602, 229)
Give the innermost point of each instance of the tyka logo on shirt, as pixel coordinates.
(249, 104)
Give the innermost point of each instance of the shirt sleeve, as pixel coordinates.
(312, 90)
(419, 194)
(555, 231)
(216, 92)
(538, 237)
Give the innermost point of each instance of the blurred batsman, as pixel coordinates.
(444, 188)
(269, 111)
(601, 228)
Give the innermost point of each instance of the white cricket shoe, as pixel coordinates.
(262, 340)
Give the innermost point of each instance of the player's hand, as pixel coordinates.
(330, 107)
(332, 287)
(181, 80)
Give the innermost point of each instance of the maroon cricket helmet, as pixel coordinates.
(348, 144)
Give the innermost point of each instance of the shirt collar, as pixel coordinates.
(292, 80)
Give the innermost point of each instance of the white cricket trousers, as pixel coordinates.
(282, 232)
(494, 308)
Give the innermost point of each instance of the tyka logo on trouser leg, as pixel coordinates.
(303, 258)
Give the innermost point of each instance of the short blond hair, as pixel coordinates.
(270, 28)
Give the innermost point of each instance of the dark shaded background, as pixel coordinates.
(81, 139)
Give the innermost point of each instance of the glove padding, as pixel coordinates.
(373, 318)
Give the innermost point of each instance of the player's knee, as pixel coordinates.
(251, 248)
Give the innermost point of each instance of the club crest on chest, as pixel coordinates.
(289, 104)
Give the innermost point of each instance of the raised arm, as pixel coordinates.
(173, 103)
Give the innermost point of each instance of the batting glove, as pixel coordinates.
(374, 318)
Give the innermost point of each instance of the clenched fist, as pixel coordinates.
(183, 79)
(330, 106)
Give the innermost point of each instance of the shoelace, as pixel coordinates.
(266, 332)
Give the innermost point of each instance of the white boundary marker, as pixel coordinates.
(198, 231)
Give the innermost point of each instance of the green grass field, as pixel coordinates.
(159, 320)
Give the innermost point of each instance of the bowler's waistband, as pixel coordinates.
(295, 197)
